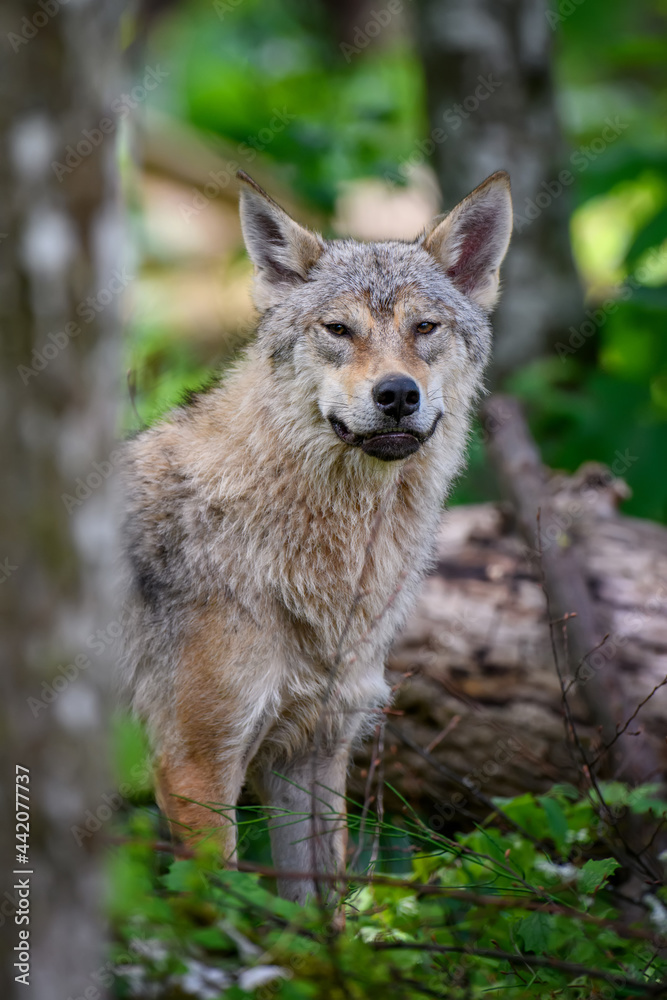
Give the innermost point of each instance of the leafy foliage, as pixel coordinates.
(345, 119)
(525, 904)
(607, 397)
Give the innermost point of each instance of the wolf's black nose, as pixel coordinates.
(397, 396)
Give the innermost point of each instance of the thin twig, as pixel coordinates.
(629, 855)
(367, 797)
(582, 661)
(450, 727)
(379, 811)
(623, 728)
(132, 392)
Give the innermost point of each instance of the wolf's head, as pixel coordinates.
(384, 339)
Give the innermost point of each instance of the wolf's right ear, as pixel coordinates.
(282, 251)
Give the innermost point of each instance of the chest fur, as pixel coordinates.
(342, 569)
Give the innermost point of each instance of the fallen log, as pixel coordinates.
(477, 688)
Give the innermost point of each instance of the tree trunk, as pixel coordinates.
(59, 299)
(492, 105)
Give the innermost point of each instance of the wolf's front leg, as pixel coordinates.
(305, 796)
(198, 794)
(214, 717)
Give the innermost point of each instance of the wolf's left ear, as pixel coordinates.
(282, 251)
(471, 241)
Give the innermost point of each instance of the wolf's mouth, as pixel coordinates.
(388, 446)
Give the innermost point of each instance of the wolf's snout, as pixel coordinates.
(397, 396)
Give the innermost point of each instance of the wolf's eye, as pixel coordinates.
(426, 327)
(337, 328)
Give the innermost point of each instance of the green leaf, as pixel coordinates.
(565, 790)
(131, 756)
(647, 798)
(535, 932)
(183, 876)
(211, 938)
(651, 235)
(594, 874)
(557, 821)
(523, 810)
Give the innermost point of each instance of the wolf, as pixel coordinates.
(278, 525)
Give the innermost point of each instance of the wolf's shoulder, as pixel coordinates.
(162, 510)
(152, 466)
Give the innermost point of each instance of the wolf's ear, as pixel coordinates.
(471, 241)
(282, 251)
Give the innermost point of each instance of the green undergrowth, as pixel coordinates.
(534, 902)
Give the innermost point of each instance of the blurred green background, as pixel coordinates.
(344, 119)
